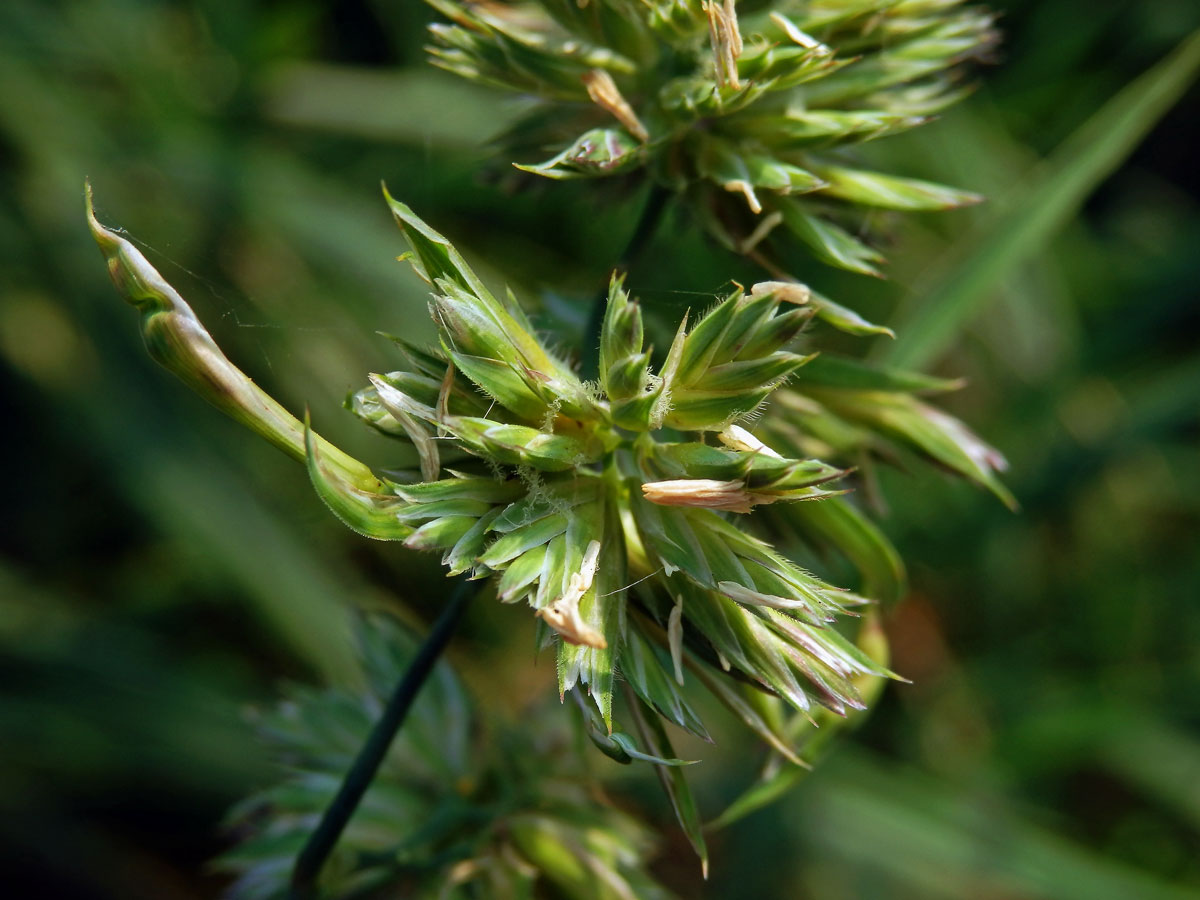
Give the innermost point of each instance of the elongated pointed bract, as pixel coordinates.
(836, 523)
(674, 782)
(178, 341)
(371, 514)
(482, 325)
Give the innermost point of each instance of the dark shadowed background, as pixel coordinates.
(161, 571)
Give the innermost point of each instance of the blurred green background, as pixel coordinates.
(161, 571)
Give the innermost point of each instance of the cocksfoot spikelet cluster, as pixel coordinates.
(749, 111)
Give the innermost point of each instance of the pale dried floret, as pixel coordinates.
(726, 41)
(675, 638)
(604, 93)
(800, 37)
(706, 493)
(563, 614)
(786, 291)
(739, 593)
(735, 437)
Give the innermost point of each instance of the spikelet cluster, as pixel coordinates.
(609, 512)
(749, 114)
(636, 518)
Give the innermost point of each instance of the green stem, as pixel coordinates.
(652, 212)
(312, 858)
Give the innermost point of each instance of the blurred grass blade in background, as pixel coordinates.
(939, 841)
(952, 292)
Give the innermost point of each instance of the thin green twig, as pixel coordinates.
(312, 858)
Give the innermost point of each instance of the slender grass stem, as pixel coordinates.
(652, 212)
(312, 858)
